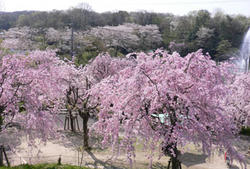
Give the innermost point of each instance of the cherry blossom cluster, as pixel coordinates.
(169, 101)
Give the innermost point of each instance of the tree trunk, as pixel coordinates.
(174, 161)
(1, 117)
(71, 119)
(116, 51)
(176, 164)
(85, 119)
(85, 130)
(1, 121)
(1, 155)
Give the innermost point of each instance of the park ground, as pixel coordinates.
(68, 147)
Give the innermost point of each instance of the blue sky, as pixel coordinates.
(178, 7)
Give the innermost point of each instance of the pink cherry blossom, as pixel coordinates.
(189, 92)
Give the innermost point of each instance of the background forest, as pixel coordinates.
(122, 32)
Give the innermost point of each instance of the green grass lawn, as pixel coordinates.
(45, 166)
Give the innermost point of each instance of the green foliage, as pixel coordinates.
(87, 53)
(215, 34)
(44, 166)
(223, 47)
(245, 131)
(85, 57)
(21, 107)
(38, 38)
(115, 52)
(23, 20)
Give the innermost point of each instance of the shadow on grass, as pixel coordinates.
(74, 140)
(233, 167)
(189, 159)
(243, 146)
(159, 166)
(97, 161)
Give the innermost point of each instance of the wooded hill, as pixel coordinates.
(219, 34)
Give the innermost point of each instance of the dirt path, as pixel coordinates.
(68, 149)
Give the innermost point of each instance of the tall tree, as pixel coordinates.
(29, 93)
(239, 105)
(168, 99)
(79, 81)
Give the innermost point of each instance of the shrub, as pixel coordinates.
(245, 131)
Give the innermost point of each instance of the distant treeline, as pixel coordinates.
(219, 34)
